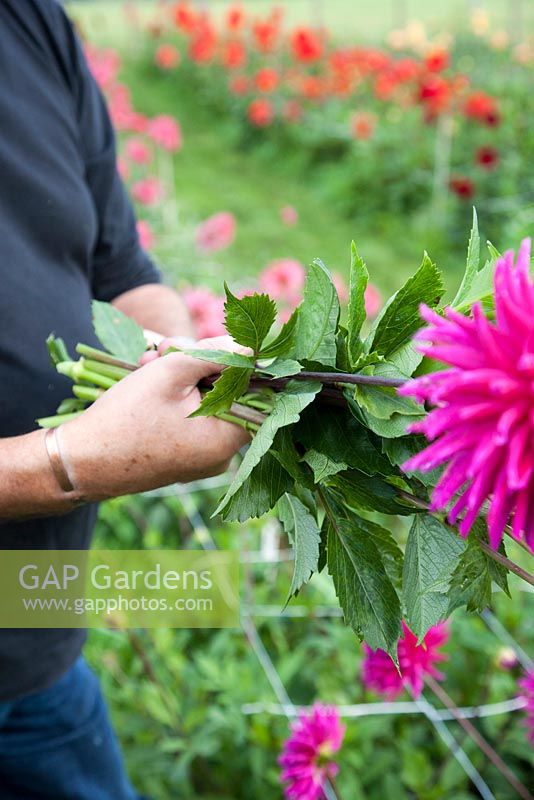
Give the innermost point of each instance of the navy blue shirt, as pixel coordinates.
(67, 235)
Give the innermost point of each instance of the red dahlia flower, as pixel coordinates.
(482, 425)
(234, 54)
(265, 33)
(482, 107)
(185, 17)
(464, 188)
(437, 61)
(487, 157)
(239, 85)
(363, 125)
(306, 45)
(235, 18)
(261, 113)
(380, 674)
(306, 758)
(167, 56)
(267, 80)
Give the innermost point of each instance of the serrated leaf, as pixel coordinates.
(367, 597)
(232, 383)
(281, 368)
(432, 553)
(383, 402)
(283, 344)
(340, 436)
(405, 359)
(480, 290)
(119, 335)
(315, 337)
(322, 466)
(472, 579)
(365, 493)
(284, 450)
(392, 556)
(267, 482)
(287, 408)
(404, 447)
(305, 536)
(359, 277)
(249, 319)
(400, 318)
(472, 265)
(224, 357)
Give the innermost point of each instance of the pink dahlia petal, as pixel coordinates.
(482, 422)
(306, 758)
(526, 686)
(380, 674)
(216, 232)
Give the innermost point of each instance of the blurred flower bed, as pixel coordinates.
(422, 120)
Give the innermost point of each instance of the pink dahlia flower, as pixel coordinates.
(373, 300)
(149, 191)
(146, 236)
(306, 758)
(527, 692)
(138, 151)
(289, 215)
(165, 132)
(206, 310)
(482, 425)
(341, 288)
(216, 232)
(380, 675)
(283, 279)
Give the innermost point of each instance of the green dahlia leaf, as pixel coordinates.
(249, 319)
(287, 408)
(305, 536)
(224, 357)
(267, 482)
(284, 343)
(365, 493)
(432, 553)
(322, 466)
(281, 368)
(315, 338)
(475, 572)
(400, 318)
(119, 334)
(367, 597)
(232, 383)
(359, 278)
(342, 438)
(284, 450)
(472, 266)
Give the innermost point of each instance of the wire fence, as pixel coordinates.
(437, 718)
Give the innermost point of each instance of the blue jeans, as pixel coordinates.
(58, 744)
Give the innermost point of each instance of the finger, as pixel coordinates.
(149, 356)
(223, 343)
(186, 371)
(178, 342)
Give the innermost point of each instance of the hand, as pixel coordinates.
(138, 437)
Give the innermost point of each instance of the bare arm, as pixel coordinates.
(158, 308)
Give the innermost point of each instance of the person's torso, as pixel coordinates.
(48, 228)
